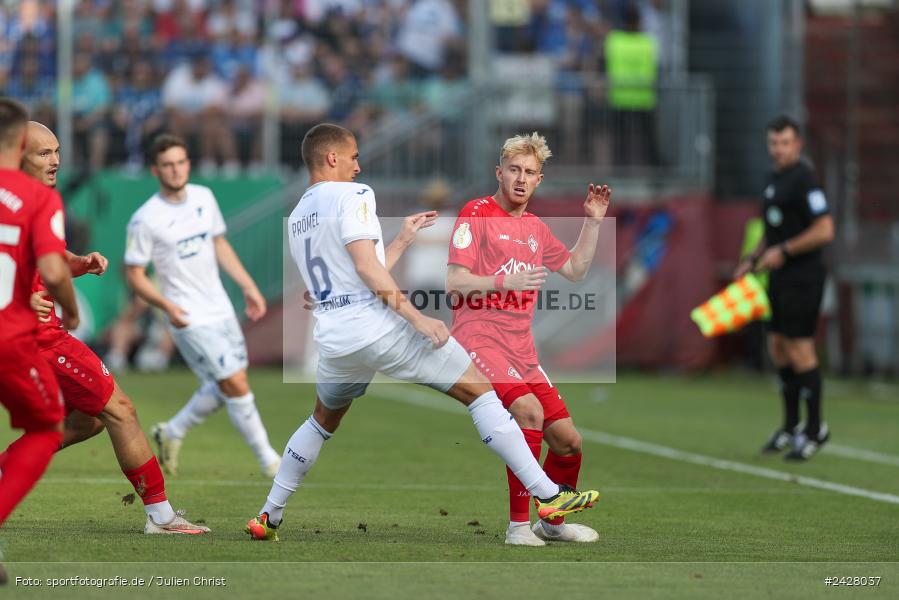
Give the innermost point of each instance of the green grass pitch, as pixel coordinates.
(405, 501)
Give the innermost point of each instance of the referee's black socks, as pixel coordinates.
(809, 386)
(790, 391)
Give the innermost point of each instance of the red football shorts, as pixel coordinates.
(28, 388)
(512, 379)
(84, 380)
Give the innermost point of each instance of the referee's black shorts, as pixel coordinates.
(796, 303)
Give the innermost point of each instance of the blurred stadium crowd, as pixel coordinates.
(209, 69)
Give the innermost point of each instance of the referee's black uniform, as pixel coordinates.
(793, 201)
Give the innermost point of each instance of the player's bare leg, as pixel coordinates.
(328, 418)
(79, 427)
(139, 465)
(128, 439)
(241, 405)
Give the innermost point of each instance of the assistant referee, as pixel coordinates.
(798, 225)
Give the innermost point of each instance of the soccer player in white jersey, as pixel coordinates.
(364, 324)
(180, 230)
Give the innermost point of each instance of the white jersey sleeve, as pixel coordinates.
(139, 245)
(357, 215)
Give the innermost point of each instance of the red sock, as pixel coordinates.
(148, 482)
(3, 456)
(26, 460)
(562, 469)
(519, 498)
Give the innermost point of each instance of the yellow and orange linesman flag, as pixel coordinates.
(733, 307)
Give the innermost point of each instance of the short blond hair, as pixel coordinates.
(534, 144)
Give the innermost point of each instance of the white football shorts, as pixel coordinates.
(214, 351)
(403, 354)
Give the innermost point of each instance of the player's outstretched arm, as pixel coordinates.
(595, 207)
(379, 281)
(136, 276)
(406, 237)
(56, 276)
(93, 263)
(230, 262)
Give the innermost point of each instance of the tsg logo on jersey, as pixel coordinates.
(191, 246)
(462, 237)
(774, 216)
(769, 191)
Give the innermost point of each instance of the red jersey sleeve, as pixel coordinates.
(464, 247)
(48, 227)
(555, 254)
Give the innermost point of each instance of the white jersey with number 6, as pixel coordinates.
(329, 216)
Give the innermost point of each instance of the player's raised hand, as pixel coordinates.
(256, 307)
(597, 202)
(177, 316)
(413, 223)
(95, 263)
(41, 306)
(433, 329)
(531, 279)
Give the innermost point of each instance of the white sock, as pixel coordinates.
(160, 512)
(514, 524)
(299, 456)
(552, 529)
(502, 434)
(203, 403)
(245, 418)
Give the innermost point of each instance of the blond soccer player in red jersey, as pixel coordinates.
(498, 246)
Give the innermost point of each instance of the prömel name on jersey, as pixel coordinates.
(304, 223)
